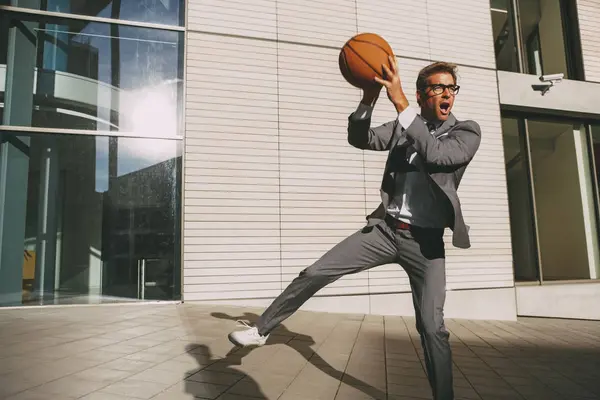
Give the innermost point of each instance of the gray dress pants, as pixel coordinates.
(420, 251)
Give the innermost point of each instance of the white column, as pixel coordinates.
(45, 263)
(587, 200)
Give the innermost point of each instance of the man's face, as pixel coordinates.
(437, 99)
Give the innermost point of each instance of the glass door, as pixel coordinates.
(78, 215)
(552, 191)
(593, 131)
(564, 205)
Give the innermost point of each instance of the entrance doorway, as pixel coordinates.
(552, 199)
(97, 216)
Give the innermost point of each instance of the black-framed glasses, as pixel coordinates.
(439, 88)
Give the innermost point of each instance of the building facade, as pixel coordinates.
(197, 151)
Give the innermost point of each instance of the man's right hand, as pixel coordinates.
(371, 94)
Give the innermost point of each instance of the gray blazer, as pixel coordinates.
(446, 155)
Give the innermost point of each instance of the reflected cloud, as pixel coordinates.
(150, 111)
(101, 77)
(136, 154)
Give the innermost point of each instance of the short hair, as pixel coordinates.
(435, 68)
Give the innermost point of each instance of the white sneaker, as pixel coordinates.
(247, 337)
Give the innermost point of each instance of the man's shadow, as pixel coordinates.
(302, 345)
(205, 383)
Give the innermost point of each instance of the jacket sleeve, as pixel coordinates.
(457, 148)
(362, 136)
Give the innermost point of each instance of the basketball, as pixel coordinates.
(361, 59)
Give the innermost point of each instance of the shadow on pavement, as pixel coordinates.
(302, 345)
(208, 383)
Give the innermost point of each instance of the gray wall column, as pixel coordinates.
(14, 159)
(14, 168)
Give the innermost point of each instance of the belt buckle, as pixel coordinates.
(397, 224)
(402, 225)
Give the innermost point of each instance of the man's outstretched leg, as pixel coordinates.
(367, 248)
(422, 256)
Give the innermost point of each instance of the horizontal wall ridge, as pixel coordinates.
(328, 47)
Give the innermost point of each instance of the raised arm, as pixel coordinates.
(362, 136)
(360, 133)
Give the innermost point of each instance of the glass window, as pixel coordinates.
(595, 135)
(71, 74)
(543, 36)
(519, 201)
(168, 12)
(594, 154)
(546, 38)
(505, 41)
(100, 221)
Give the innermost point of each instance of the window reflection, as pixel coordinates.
(505, 40)
(168, 12)
(545, 35)
(97, 76)
(111, 208)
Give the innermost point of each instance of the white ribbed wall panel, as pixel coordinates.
(322, 176)
(589, 25)
(403, 26)
(271, 181)
(460, 31)
(251, 18)
(328, 23)
(231, 205)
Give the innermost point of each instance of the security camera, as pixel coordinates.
(552, 77)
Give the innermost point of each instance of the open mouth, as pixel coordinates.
(445, 108)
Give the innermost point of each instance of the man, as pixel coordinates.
(428, 154)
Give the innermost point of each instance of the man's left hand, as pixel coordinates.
(393, 85)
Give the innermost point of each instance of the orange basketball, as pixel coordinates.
(361, 59)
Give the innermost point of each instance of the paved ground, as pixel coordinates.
(177, 352)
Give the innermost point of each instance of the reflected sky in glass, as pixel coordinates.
(145, 56)
(133, 154)
(168, 12)
(101, 164)
(133, 75)
(103, 77)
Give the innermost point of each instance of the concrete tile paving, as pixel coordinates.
(181, 351)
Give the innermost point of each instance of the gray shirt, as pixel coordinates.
(415, 201)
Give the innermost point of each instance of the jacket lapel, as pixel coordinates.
(446, 126)
(399, 140)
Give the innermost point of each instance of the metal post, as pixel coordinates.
(518, 36)
(527, 150)
(143, 279)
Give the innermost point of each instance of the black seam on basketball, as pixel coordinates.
(347, 69)
(365, 61)
(374, 44)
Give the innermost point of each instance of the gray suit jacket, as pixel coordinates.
(445, 154)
